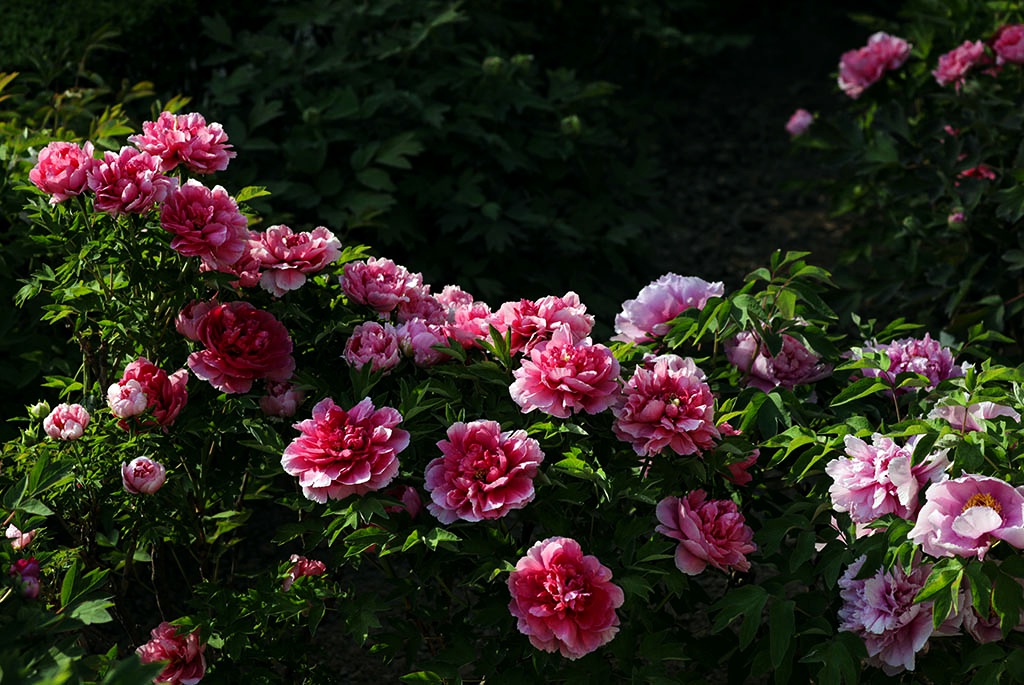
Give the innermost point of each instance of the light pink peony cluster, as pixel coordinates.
(18, 539)
(66, 422)
(378, 345)
(186, 664)
(954, 65)
(418, 338)
(205, 223)
(794, 364)
(659, 302)
(386, 287)
(466, 319)
(185, 139)
(27, 573)
(145, 386)
(711, 532)
(533, 322)
(972, 417)
(564, 600)
(281, 399)
(484, 472)
(142, 476)
(128, 182)
(1008, 44)
(881, 478)
(286, 258)
(667, 404)
(62, 170)
(923, 356)
(860, 68)
(301, 568)
(344, 452)
(799, 122)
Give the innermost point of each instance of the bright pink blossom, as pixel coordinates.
(185, 139)
(965, 516)
(66, 422)
(142, 476)
(970, 418)
(186, 664)
(561, 377)
(484, 472)
(563, 599)
(881, 478)
(794, 364)
(418, 337)
(954, 65)
(164, 394)
(187, 321)
(659, 302)
(62, 170)
(286, 257)
(126, 399)
(302, 567)
(243, 343)
(467, 320)
(533, 322)
(380, 284)
(1008, 44)
(982, 171)
(128, 182)
(860, 68)
(27, 572)
(923, 356)
(374, 344)
(206, 223)
(18, 539)
(711, 532)
(248, 268)
(799, 122)
(344, 452)
(667, 404)
(281, 399)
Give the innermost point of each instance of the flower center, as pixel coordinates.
(982, 499)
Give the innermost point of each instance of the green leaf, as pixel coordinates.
(93, 611)
(781, 626)
(422, 677)
(747, 601)
(251, 192)
(375, 179)
(858, 389)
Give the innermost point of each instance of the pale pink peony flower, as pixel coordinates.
(532, 323)
(659, 302)
(286, 257)
(954, 65)
(484, 474)
(142, 476)
(466, 320)
(243, 343)
(881, 478)
(126, 398)
(710, 532)
(165, 394)
(925, 356)
(374, 344)
(186, 663)
(18, 539)
(418, 337)
(1008, 44)
(966, 419)
(563, 599)
(561, 377)
(66, 422)
(62, 170)
(185, 139)
(205, 223)
(882, 612)
(281, 399)
(187, 321)
(859, 69)
(128, 182)
(302, 567)
(965, 516)
(412, 504)
(27, 572)
(799, 122)
(794, 364)
(381, 284)
(341, 453)
(667, 404)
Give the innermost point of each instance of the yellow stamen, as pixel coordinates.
(982, 499)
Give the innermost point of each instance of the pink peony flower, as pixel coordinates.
(164, 394)
(205, 223)
(561, 377)
(27, 573)
(466, 320)
(381, 284)
(794, 365)
(966, 419)
(859, 69)
(659, 302)
(532, 323)
(563, 599)
(881, 611)
(301, 567)
(710, 532)
(418, 337)
(243, 343)
(18, 539)
(739, 471)
(954, 65)
(185, 139)
(341, 453)
(981, 171)
(881, 478)
(142, 476)
(925, 356)
(1008, 44)
(374, 344)
(186, 664)
(129, 182)
(799, 122)
(62, 170)
(126, 399)
(66, 422)
(248, 268)
(484, 473)
(286, 257)
(667, 404)
(282, 399)
(412, 504)
(965, 516)
(187, 321)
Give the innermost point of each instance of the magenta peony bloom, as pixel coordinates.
(243, 343)
(374, 344)
(710, 532)
(418, 337)
(205, 223)
(863, 67)
(62, 170)
(147, 385)
(532, 323)
(186, 664)
(18, 539)
(301, 567)
(799, 122)
(925, 356)
(882, 612)
(1008, 44)
(185, 139)
(66, 422)
(659, 302)
(667, 404)
(954, 65)
(966, 419)
(484, 473)
(341, 453)
(282, 399)
(129, 182)
(248, 268)
(27, 572)
(794, 365)
(381, 284)
(965, 516)
(563, 599)
(561, 377)
(142, 476)
(881, 478)
(286, 257)
(187, 321)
